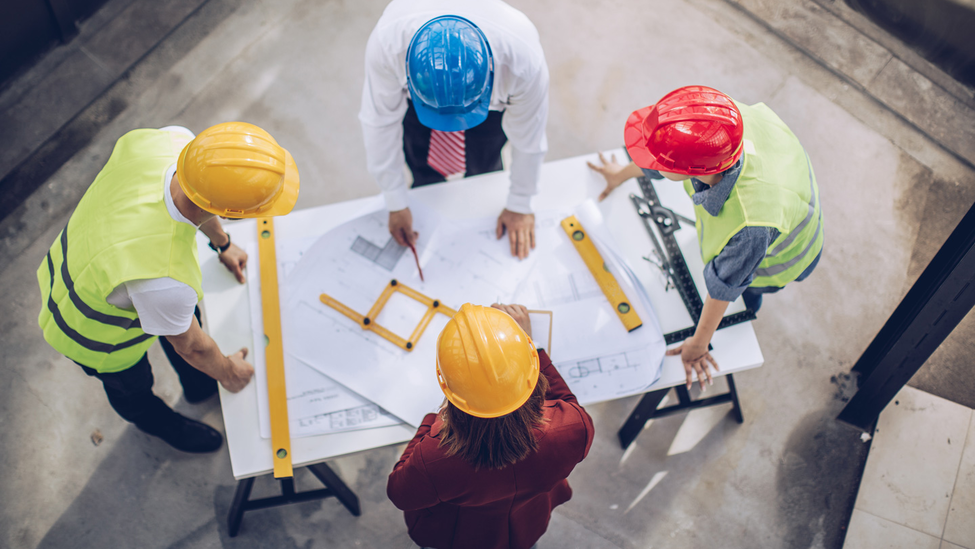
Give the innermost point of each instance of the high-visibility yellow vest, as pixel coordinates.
(120, 231)
(776, 188)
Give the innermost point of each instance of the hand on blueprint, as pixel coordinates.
(614, 173)
(519, 313)
(238, 373)
(235, 259)
(697, 360)
(521, 231)
(401, 227)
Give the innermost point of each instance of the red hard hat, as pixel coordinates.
(694, 130)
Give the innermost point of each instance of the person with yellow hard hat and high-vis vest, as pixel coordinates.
(125, 268)
(758, 216)
(487, 470)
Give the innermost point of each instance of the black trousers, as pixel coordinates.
(130, 391)
(482, 145)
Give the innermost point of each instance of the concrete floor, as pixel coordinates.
(786, 478)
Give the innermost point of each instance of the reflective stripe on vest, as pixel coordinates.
(91, 314)
(782, 267)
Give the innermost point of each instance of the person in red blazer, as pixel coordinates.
(486, 472)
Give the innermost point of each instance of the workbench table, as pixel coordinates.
(563, 185)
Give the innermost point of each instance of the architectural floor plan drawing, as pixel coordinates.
(386, 256)
(572, 287)
(596, 355)
(365, 416)
(618, 374)
(340, 376)
(462, 262)
(315, 402)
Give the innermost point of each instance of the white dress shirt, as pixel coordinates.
(520, 90)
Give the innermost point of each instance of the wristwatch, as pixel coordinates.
(221, 249)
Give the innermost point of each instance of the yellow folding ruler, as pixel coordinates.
(277, 394)
(597, 266)
(368, 321)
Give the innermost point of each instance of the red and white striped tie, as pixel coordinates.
(447, 152)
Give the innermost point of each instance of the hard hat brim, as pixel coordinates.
(289, 191)
(636, 139)
(452, 122)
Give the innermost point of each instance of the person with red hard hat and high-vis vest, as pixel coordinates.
(448, 82)
(125, 268)
(487, 470)
(758, 215)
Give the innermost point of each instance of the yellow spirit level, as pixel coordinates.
(597, 266)
(277, 393)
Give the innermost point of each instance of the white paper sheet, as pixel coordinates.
(462, 262)
(316, 404)
(595, 354)
(541, 325)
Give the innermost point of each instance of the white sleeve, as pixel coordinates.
(381, 115)
(165, 306)
(178, 129)
(524, 124)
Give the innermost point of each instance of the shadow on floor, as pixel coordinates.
(158, 497)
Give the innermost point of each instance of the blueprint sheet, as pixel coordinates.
(462, 262)
(596, 356)
(316, 404)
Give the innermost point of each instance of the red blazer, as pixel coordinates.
(450, 505)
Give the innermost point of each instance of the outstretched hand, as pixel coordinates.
(520, 229)
(697, 361)
(615, 173)
(235, 260)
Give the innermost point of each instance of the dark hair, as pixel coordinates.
(494, 442)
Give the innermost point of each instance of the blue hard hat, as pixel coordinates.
(450, 73)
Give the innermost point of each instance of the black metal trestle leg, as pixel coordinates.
(237, 509)
(647, 409)
(341, 492)
(334, 487)
(640, 416)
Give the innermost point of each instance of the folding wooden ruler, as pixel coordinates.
(274, 350)
(368, 320)
(671, 262)
(597, 266)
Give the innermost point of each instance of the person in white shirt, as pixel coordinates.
(125, 269)
(447, 83)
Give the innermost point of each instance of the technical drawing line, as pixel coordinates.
(386, 257)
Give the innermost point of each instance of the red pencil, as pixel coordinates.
(417, 258)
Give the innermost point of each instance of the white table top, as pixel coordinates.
(563, 185)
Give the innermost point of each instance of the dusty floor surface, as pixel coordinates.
(785, 478)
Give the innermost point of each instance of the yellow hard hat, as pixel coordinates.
(236, 169)
(486, 364)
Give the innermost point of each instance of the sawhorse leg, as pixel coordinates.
(341, 492)
(646, 409)
(334, 487)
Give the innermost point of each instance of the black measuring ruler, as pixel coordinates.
(649, 208)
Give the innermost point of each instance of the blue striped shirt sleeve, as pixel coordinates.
(733, 269)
